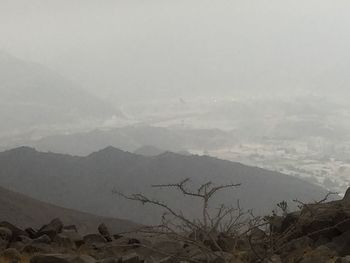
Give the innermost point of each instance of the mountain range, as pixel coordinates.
(132, 139)
(86, 183)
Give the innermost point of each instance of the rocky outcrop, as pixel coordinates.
(319, 232)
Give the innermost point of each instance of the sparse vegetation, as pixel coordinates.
(215, 233)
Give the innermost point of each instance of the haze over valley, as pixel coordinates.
(216, 130)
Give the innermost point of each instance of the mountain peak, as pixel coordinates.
(109, 150)
(23, 149)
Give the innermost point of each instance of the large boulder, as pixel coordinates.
(35, 248)
(64, 241)
(94, 239)
(51, 229)
(74, 236)
(341, 244)
(5, 237)
(16, 232)
(103, 230)
(43, 239)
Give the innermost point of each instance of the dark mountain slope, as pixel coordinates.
(85, 183)
(24, 212)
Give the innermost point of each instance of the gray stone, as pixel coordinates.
(341, 244)
(275, 259)
(74, 236)
(94, 238)
(103, 230)
(34, 248)
(45, 239)
(5, 234)
(64, 241)
(51, 229)
(15, 230)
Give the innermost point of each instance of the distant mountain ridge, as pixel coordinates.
(132, 138)
(33, 95)
(85, 183)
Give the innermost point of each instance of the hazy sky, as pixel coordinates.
(182, 48)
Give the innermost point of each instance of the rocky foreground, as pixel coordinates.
(319, 232)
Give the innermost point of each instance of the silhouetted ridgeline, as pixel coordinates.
(85, 183)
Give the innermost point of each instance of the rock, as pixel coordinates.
(117, 236)
(51, 229)
(74, 236)
(24, 239)
(10, 255)
(131, 258)
(17, 245)
(257, 234)
(70, 227)
(61, 258)
(86, 259)
(94, 238)
(15, 230)
(275, 259)
(298, 244)
(343, 260)
(5, 237)
(34, 248)
(295, 249)
(320, 254)
(3, 244)
(289, 220)
(103, 230)
(31, 232)
(97, 250)
(276, 223)
(64, 241)
(319, 220)
(44, 239)
(5, 234)
(322, 241)
(135, 242)
(346, 197)
(168, 247)
(341, 244)
(343, 227)
(227, 244)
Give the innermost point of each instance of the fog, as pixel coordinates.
(127, 51)
(261, 82)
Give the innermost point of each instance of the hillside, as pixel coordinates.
(86, 183)
(317, 233)
(24, 212)
(33, 95)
